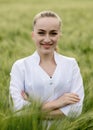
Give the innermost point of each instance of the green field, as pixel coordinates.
(16, 18)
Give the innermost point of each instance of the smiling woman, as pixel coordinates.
(46, 75)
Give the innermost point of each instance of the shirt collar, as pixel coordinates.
(37, 57)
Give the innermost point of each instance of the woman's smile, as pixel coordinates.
(46, 45)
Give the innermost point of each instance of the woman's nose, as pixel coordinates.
(47, 38)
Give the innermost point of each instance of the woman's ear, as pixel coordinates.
(32, 35)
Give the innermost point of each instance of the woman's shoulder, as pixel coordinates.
(67, 61)
(66, 58)
(20, 62)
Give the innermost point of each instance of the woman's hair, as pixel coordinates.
(46, 14)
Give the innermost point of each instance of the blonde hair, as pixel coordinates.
(46, 14)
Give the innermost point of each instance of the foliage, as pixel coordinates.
(15, 42)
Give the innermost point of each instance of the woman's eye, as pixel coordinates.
(41, 33)
(54, 33)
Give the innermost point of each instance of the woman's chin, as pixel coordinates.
(47, 51)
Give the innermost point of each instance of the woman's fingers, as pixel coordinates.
(67, 99)
(24, 95)
(73, 97)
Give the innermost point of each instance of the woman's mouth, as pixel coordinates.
(47, 46)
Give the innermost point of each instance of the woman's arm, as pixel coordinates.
(64, 100)
(74, 110)
(17, 86)
(53, 107)
(54, 114)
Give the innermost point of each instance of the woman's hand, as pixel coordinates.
(67, 99)
(25, 95)
(64, 100)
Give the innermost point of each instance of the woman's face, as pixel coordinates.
(46, 34)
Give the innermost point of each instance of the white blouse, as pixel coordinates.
(28, 76)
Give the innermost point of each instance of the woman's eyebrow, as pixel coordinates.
(41, 30)
(49, 31)
(53, 30)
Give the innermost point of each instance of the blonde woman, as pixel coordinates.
(46, 75)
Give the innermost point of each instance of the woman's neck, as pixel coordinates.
(46, 57)
(48, 64)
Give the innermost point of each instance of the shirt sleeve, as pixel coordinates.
(17, 86)
(76, 87)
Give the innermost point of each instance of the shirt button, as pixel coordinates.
(51, 83)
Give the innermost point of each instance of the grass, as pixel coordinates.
(15, 42)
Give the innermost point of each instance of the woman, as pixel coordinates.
(46, 75)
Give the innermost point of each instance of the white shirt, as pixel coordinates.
(28, 76)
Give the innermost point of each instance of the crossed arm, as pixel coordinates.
(53, 107)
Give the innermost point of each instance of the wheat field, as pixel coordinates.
(16, 17)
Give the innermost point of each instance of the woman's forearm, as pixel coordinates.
(49, 106)
(55, 114)
(64, 100)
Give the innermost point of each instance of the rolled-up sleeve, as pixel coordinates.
(77, 87)
(17, 86)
